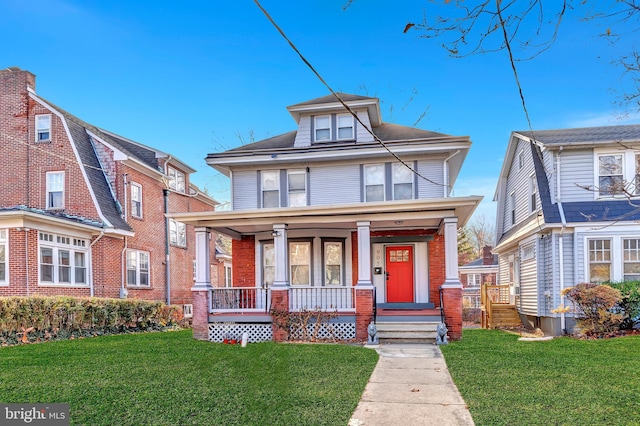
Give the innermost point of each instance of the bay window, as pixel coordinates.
(62, 260)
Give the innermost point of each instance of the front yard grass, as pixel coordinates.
(558, 382)
(171, 379)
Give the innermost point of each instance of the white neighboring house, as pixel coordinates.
(568, 212)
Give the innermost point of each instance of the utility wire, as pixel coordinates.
(375, 137)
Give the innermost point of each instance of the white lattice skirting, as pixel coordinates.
(256, 332)
(332, 330)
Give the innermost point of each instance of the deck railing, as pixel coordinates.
(326, 298)
(492, 295)
(240, 299)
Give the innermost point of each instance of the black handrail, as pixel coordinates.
(375, 306)
(441, 305)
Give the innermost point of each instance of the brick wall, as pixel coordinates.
(244, 261)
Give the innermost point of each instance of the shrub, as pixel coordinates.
(594, 307)
(37, 318)
(629, 303)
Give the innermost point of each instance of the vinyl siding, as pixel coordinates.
(432, 170)
(576, 170)
(303, 135)
(528, 302)
(503, 267)
(362, 135)
(244, 186)
(518, 182)
(545, 272)
(337, 184)
(548, 159)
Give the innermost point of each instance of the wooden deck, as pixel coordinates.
(497, 309)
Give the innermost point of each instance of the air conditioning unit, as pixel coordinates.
(187, 310)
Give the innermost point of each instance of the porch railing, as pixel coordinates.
(240, 299)
(334, 298)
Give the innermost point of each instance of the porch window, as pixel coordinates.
(402, 182)
(297, 183)
(610, 175)
(268, 264)
(599, 260)
(374, 182)
(631, 258)
(270, 188)
(333, 259)
(300, 262)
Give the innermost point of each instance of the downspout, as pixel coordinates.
(166, 245)
(123, 268)
(560, 241)
(26, 250)
(124, 190)
(445, 171)
(91, 291)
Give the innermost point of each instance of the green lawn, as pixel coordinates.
(562, 381)
(171, 379)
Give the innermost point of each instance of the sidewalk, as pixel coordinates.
(410, 386)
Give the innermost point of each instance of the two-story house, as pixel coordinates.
(568, 211)
(326, 217)
(82, 210)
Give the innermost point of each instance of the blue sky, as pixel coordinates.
(196, 77)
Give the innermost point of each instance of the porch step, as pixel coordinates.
(503, 315)
(407, 331)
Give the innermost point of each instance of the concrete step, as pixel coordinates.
(406, 326)
(407, 332)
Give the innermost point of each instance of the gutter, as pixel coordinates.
(91, 290)
(445, 171)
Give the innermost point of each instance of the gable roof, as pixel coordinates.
(332, 99)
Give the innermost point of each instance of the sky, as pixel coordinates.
(196, 77)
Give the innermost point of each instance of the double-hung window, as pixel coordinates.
(297, 188)
(177, 233)
(176, 179)
(137, 268)
(227, 275)
(63, 260)
(4, 271)
(599, 260)
(136, 200)
(631, 259)
(322, 128)
(300, 262)
(473, 280)
(345, 126)
(43, 128)
(55, 190)
(512, 206)
(270, 188)
(268, 264)
(374, 182)
(402, 182)
(333, 257)
(533, 191)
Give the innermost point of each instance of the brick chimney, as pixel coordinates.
(487, 256)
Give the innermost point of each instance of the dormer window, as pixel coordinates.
(43, 128)
(176, 179)
(345, 126)
(322, 126)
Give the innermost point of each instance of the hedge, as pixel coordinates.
(42, 318)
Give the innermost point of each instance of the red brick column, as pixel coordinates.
(200, 318)
(364, 311)
(452, 301)
(280, 304)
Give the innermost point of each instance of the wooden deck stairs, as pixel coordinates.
(497, 309)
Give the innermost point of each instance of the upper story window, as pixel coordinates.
(43, 128)
(297, 188)
(63, 260)
(322, 128)
(137, 268)
(55, 190)
(177, 233)
(176, 179)
(617, 174)
(512, 206)
(374, 182)
(270, 188)
(533, 192)
(4, 278)
(345, 126)
(136, 200)
(402, 182)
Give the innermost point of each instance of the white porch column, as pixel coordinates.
(451, 280)
(203, 256)
(364, 254)
(281, 278)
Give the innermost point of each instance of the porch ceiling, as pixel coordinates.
(382, 215)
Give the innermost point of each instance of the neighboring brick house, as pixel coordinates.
(82, 210)
(325, 217)
(475, 273)
(567, 213)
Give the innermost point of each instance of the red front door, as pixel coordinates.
(399, 274)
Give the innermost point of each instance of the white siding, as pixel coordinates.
(545, 272)
(576, 170)
(362, 135)
(503, 267)
(432, 170)
(518, 182)
(303, 135)
(528, 302)
(549, 168)
(244, 185)
(337, 184)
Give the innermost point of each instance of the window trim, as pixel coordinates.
(139, 215)
(40, 130)
(278, 188)
(48, 191)
(341, 241)
(4, 242)
(58, 243)
(304, 174)
(588, 261)
(138, 269)
(393, 182)
(352, 136)
(365, 183)
(316, 128)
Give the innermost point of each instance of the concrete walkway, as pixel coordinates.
(410, 386)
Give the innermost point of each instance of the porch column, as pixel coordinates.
(201, 290)
(364, 287)
(280, 286)
(452, 287)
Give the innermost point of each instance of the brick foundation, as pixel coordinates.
(364, 312)
(280, 303)
(452, 299)
(200, 319)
